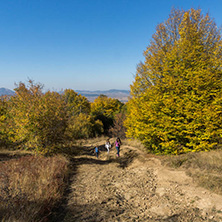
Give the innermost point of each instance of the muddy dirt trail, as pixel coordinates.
(134, 187)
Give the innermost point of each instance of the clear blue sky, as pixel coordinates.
(81, 44)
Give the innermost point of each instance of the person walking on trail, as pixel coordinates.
(117, 144)
(108, 145)
(97, 151)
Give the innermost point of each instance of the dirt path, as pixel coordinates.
(135, 187)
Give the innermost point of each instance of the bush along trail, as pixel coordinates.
(133, 187)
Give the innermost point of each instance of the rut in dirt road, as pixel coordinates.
(128, 188)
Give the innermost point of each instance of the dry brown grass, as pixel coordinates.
(205, 168)
(30, 187)
(134, 143)
(92, 141)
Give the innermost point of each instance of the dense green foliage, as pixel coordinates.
(176, 104)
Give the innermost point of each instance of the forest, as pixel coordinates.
(47, 122)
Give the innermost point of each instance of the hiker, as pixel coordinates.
(97, 151)
(117, 144)
(108, 145)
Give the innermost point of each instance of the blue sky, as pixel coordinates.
(81, 44)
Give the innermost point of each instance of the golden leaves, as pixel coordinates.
(178, 111)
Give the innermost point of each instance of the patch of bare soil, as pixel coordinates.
(135, 187)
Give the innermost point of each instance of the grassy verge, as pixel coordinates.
(31, 186)
(134, 143)
(205, 168)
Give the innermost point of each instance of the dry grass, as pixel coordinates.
(92, 142)
(204, 167)
(30, 187)
(134, 143)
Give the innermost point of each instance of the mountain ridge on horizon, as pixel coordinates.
(119, 94)
(6, 92)
(98, 90)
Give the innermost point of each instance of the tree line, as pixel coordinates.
(44, 122)
(175, 105)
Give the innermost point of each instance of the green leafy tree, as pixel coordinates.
(176, 103)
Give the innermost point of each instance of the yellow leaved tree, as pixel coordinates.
(38, 119)
(80, 123)
(5, 136)
(104, 109)
(176, 104)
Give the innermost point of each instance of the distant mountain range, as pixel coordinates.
(122, 95)
(6, 92)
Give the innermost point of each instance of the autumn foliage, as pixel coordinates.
(37, 120)
(105, 109)
(4, 121)
(118, 129)
(80, 123)
(46, 121)
(176, 104)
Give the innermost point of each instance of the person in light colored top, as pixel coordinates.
(108, 145)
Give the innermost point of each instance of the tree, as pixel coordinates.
(104, 109)
(80, 123)
(5, 136)
(176, 104)
(83, 126)
(39, 119)
(118, 129)
(75, 103)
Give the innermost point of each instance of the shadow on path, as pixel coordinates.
(127, 159)
(85, 155)
(77, 156)
(9, 156)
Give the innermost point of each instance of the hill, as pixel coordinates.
(122, 95)
(6, 92)
(134, 187)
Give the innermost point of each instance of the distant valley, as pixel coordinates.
(122, 95)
